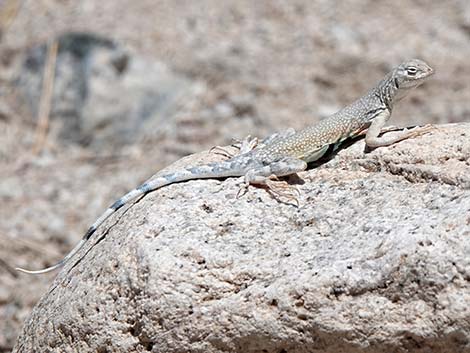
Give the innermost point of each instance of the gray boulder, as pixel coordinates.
(375, 259)
(104, 96)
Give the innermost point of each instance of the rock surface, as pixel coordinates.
(375, 259)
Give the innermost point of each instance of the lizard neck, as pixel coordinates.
(388, 91)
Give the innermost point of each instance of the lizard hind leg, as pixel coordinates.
(244, 146)
(268, 177)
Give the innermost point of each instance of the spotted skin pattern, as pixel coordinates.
(289, 153)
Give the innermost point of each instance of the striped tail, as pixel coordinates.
(215, 170)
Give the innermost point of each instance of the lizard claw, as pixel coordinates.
(281, 189)
(222, 151)
(247, 144)
(421, 130)
(242, 190)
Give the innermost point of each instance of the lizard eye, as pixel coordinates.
(411, 70)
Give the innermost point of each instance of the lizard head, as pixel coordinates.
(411, 74)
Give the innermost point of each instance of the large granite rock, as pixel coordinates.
(375, 259)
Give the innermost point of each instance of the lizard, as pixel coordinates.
(289, 153)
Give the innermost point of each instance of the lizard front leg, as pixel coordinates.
(268, 176)
(372, 136)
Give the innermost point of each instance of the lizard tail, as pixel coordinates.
(113, 208)
(202, 172)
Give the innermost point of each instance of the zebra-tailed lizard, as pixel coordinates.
(288, 153)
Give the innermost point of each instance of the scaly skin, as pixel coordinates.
(289, 153)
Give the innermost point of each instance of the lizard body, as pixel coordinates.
(289, 153)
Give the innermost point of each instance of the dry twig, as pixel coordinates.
(46, 97)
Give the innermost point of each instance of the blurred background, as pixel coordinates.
(97, 96)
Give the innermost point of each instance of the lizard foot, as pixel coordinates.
(247, 144)
(282, 190)
(222, 151)
(421, 130)
(416, 131)
(277, 188)
(244, 146)
(389, 139)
